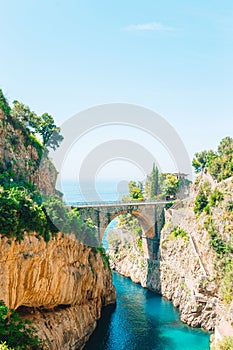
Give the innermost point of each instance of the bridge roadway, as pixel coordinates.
(118, 204)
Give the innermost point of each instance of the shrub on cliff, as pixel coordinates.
(4, 346)
(216, 197)
(178, 232)
(19, 213)
(219, 164)
(201, 201)
(22, 211)
(60, 218)
(16, 331)
(226, 344)
(4, 104)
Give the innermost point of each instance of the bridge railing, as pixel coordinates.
(116, 203)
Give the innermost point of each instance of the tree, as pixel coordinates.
(199, 162)
(135, 192)
(201, 201)
(170, 185)
(49, 131)
(226, 146)
(219, 164)
(4, 104)
(154, 182)
(147, 188)
(43, 125)
(23, 113)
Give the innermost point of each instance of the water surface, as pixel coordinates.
(143, 320)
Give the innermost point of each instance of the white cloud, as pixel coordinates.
(156, 26)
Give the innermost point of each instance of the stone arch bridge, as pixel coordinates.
(149, 214)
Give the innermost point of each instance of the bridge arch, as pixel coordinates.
(149, 214)
(146, 224)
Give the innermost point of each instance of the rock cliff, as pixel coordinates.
(128, 259)
(21, 155)
(190, 269)
(61, 286)
(185, 282)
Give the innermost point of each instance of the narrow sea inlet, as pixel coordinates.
(143, 320)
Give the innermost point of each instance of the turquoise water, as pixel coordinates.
(143, 320)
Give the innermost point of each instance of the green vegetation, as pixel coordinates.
(219, 164)
(17, 332)
(230, 206)
(139, 244)
(4, 346)
(104, 256)
(224, 264)
(4, 104)
(201, 201)
(23, 211)
(43, 125)
(152, 184)
(21, 207)
(49, 131)
(220, 247)
(205, 200)
(226, 287)
(130, 223)
(169, 185)
(157, 186)
(216, 197)
(169, 205)
(178, 232)
(19, 213)
(135, 191)
(226, 343)
(31, 124)
(162, 185)
(202, 160)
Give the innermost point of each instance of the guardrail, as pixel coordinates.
(114, 204)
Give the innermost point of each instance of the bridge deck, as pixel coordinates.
(118, 204)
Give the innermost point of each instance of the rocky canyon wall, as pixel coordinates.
(61, 286)
(189, 271)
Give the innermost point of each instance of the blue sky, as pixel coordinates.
(175, 57)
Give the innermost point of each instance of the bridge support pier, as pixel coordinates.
(150, 247)
(150, 216)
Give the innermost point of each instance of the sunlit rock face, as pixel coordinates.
(67, 281)
(186, 270)
(25, 158)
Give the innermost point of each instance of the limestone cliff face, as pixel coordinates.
(176, 274)
(67, 281)
(129, 260)
(187, 270)
(191, 269)
(185, 283)
(21, 154)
